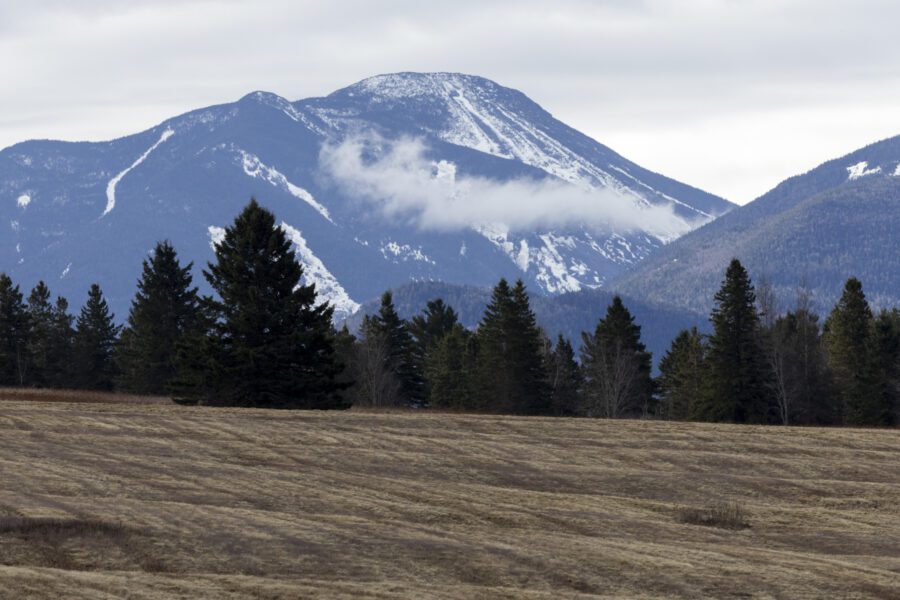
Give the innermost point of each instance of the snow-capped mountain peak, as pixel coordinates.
(92, 210)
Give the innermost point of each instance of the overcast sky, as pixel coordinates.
(731, 96)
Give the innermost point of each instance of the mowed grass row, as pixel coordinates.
(156, 501)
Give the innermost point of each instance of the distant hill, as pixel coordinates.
(569, 314)
(839, 220)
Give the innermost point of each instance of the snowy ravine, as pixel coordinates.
(314, 272)
(111, 186)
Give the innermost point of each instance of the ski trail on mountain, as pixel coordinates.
(111, 186)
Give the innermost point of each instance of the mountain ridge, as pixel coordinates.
(818, 228)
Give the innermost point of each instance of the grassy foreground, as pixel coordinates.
(121, 500)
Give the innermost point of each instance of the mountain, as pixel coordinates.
(838, 220)
(343, 174)
(568, 314)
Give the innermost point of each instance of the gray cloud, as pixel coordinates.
(399, 181)
(728, 95)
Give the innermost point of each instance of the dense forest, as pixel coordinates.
(262, 340)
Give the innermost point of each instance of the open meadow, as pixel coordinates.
(118, 499)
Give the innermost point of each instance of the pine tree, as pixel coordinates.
(41, 336)
(617, 366)
(800, 373)
(511, 373)
(95, 340)
(849, 342)
(165, 309)
(270, 345)
(739, 378)
(681, 375)
(14, 326)
(427, 330)
(401, 358)
(565, 379)
(377, 380)
(449, 368)
(61, 352)
(437, 320)
(887, 351)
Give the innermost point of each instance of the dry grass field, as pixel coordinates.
(113, 499)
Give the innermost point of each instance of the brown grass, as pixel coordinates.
(727, 515)
(154, 501)
(77, 396)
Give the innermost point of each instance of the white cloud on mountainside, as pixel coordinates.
(398, 181)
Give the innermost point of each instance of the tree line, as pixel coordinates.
(263, 340)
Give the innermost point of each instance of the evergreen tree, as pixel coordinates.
(165, 309)
(617, 366)
(800, 373)
(427, 330)
(437, 320)
(449, 367)
(270, 345)
(850, 345)
(60, 356)
(739, 377)
(511, 374)
(887, 352)
(401, 354)
(49, 339)
(565, 379)
(95, 339)
(345, 351)
(681, 375)
(14, 326)
(377, 380)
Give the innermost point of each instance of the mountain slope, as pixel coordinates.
(839, 220)
(74, 213)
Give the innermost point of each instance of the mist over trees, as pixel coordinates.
(264, 339)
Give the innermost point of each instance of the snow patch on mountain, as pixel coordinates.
(255, 168)
(553, 276)
(216, 236)
(328, 288)
(23, 201)
(897, 171)
(861, 169)
(111, 186)
(498, 235)
(404, 252)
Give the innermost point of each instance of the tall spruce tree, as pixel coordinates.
(449, 368)
(95, 339)
(849, 342)
(887, 351)
(427, 330)
(164, 311)
(739, 376)
(377, 380)
(41, 336)
(800, 374)
(511, 375)
(564, 379)
(61, 358)
(270, 345)
(14, 326)
(617, 366)
(681, 374)
(401, 357)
